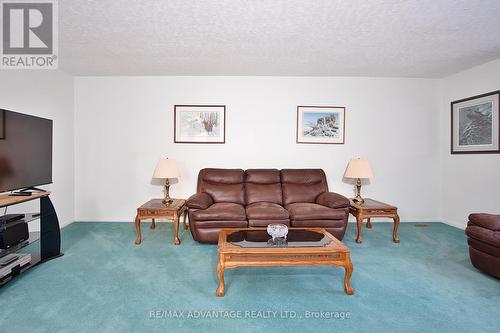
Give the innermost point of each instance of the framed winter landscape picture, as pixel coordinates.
(320, 124)
(475, 124)
(199, 123)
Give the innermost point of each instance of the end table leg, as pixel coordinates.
(153, 224)
(138, 229)
(395, 238)
(220, 274)
(185, 219)
(359, 222)
(177, 241)
(347, 278)
(368, 223)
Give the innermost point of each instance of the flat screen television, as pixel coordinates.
(25, 151)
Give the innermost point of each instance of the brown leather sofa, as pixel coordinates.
(483, 231)
(234, 198)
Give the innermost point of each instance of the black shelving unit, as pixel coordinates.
(49, 236)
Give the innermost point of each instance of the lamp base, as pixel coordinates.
(167, 200)
(358, 199)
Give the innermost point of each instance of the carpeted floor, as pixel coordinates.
(105, 283)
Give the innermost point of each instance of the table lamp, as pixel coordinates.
(165, 169)
(360, 169)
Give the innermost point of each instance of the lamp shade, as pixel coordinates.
(358, 168)
(166, 168)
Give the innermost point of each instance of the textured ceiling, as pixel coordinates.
(413, 38)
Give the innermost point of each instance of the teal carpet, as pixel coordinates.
(105, 283)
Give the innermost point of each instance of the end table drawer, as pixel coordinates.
(380, 211)
(149, 212)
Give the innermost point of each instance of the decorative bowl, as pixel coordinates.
(277, 230)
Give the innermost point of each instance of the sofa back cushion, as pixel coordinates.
(302, 185)
(223, 185)
(263, 185)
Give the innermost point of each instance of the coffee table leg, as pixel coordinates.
(368, 223)
(153, 224)
(347, 278)
(220, 274)
(138, 229)
(395, 238)
(177, 241)
(359, 222)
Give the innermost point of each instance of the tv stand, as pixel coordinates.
(49, 235)
(31, 188)
(25, 192)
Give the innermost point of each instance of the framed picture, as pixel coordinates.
(199, 123)
(320, 124)
(475, 124)
(2, 124)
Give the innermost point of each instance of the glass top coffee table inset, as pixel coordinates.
(295, 238)
(252, 247)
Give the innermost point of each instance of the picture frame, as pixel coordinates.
(200, 124)
(320, 124)
(2, 124)
(475, 124)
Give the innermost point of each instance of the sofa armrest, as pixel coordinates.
(332, 200)
(200, 201)
(487, 221)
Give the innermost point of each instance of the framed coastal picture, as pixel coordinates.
(475, 124)
(321, 124)
(199, 123)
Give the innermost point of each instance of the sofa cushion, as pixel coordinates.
(263, 185)
(327, 224)
(302, 185)
(265, 223)
(223, 185)
(266, 211)
(220, 224)
(311, 211)
(221, 211)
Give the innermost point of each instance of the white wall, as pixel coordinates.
(47, 94)
(470, 183)
(124, 124)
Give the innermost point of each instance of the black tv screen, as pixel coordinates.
(25, 151)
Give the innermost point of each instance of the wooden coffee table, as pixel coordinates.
(155, 209)
(305, 247)
(373, 208)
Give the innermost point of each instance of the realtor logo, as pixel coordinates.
(29, 34)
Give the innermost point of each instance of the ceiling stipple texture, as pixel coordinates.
(412, 38)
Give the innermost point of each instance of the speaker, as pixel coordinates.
(13, 233)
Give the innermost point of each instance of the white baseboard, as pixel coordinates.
(456, 224)
(116, 220)
(351, 220)
(403, 220)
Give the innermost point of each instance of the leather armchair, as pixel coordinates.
(483, 232)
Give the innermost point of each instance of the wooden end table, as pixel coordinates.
(372, 208)
(154, 209)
